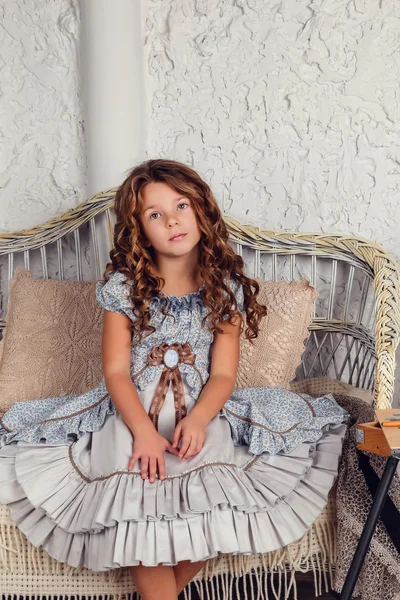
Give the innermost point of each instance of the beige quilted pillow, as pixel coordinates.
(276, 353)
(52, 339)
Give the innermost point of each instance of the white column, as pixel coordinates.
(112, 68)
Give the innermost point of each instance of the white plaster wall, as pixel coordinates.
(42, 148)
(290, 110)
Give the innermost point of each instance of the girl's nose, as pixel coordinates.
(172, 220)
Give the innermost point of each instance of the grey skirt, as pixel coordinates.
(77, 499)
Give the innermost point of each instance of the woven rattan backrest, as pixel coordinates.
(356, 324)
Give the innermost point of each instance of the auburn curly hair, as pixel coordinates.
(218, 261)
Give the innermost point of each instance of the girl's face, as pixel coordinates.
(165, 215)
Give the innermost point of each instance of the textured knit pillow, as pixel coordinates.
(52, 339)
(276, 353)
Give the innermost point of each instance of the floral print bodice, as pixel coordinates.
(183, 325)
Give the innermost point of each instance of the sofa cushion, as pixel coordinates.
(52, 339)
(275, 355)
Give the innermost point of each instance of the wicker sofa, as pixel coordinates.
(352, 343)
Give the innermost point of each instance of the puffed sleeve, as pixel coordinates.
(237, 289)
(113, 294)
(238, 293)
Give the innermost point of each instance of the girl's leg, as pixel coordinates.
(185, 571)
(154, 583)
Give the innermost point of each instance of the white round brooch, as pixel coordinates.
(171, 358)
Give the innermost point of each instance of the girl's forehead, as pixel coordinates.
(158, 189)
(158, 193)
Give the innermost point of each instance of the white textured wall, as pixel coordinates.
(42, 150)
(291, 110)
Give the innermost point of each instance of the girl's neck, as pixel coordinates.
(181, 276)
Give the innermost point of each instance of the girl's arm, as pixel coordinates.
(116, 354)
(224, 365)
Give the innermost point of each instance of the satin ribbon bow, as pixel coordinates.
(170, 356)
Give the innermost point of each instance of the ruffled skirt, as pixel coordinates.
(261, 479)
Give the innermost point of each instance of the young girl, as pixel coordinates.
(165, 464)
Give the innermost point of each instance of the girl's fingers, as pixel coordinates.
(161, 467)
(185, 445)
(177, 435)
(171, 449)
(144, 466)
(132, 462)
(194, 448)
(148, 465)
(153, 469)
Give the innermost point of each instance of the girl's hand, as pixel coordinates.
(149, 446)
(193, 432)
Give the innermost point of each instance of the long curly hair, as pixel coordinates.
(218, 261)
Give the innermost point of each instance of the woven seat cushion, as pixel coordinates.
(276, 353)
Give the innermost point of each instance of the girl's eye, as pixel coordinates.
(157, 213)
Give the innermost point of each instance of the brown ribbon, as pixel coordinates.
(170, 375)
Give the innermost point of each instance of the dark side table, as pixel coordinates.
(384, 441)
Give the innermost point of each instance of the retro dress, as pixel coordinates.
(262, 477)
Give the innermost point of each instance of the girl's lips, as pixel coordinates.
(178, 237)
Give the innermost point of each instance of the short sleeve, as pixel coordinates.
(113, 294)
(238, 293)
(237, 290)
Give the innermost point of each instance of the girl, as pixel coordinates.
(166, 464)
